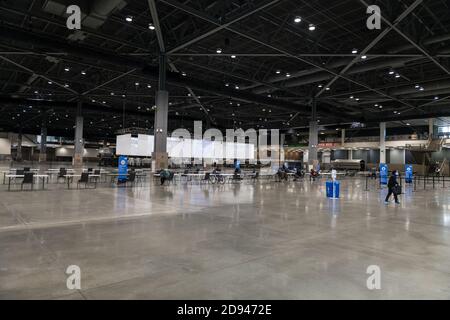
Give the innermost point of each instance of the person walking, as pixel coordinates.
(392, 186)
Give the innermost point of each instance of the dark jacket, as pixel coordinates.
(392, 181)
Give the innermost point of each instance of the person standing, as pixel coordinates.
(392, 185)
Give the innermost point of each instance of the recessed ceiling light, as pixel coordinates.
(233, 56)
(136, 84)
(219, 50)
(66, 69)
(408, 124)
(83, 73)
(288, 75)
(355, 51)
(391, 72)
(436, 98)
(66, 85)
(183, 74)
(417, 86)
(327, 88)
(151, 26)
(422, 88)
(129, 19)
(397, 75)
(236, 87)
(351, 97)
(50, 82)
(227, 84)
(312, 27)
(363, 57)
(298, 19)
(320, 86)
(149, 86)
(278, 71)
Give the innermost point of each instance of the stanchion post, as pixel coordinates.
(433, 181)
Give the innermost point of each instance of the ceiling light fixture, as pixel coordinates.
(129, 19)
(298, 19)
(312, 27)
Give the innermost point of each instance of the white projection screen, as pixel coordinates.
(143, 146)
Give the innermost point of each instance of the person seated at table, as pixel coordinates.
(314, 174)
(299, 173)
(164, 175)
(282, 175)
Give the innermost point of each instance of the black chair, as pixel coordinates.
(28, 179)
(206, 178)
(131, 178)
(90, 170)
(85, 179)
(26, 169)
(20, 172)
(236, 177)
(61, 174)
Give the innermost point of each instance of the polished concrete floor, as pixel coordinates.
(249, 241)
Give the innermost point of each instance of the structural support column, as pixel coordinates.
(343, 138)
(313, 136)
(160, 157)
(383, 142)
(431, 128)
(79, 142)
(43, 146)
(19, 147)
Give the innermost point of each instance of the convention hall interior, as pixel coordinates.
(239, 149)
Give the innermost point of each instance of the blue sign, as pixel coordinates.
(237, 165)
(409, 173)
(123, 168)
(384, 171)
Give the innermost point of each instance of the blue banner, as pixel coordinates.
(409, 173)
(384, 172)
(123, 168)
(237, 165)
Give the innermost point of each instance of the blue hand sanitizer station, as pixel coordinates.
(384, 173)
(409, 173)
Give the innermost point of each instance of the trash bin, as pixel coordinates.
(333, 189)
(329, 189)
(336, 189)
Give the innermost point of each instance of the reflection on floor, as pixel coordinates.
(238, 241)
